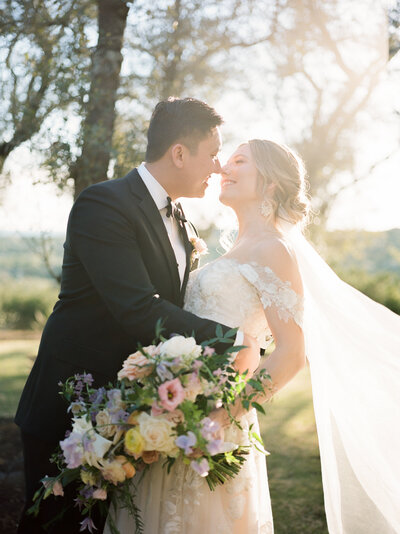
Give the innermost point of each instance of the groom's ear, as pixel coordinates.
(177, 153)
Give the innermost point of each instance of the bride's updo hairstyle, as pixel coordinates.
(279, 165)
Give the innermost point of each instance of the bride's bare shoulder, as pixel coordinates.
(276, 253)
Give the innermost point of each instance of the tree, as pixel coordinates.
(183, 48)
(91, 165)
(176, 48)
(326, 64)
(45, 51)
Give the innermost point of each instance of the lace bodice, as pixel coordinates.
(236, 294)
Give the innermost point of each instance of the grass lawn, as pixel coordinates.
(16, 359)
(294, 472)
(288, 430)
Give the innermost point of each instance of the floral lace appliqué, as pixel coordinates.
(274, 292)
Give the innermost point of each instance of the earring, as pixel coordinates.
(266, 209)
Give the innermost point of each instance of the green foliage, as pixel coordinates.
(369, 261)
(383, 287)
(26, 306)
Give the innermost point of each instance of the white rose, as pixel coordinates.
(112, 471)
(104, 426)
(157, 432)
(180, 346)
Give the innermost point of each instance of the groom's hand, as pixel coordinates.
(248, 359)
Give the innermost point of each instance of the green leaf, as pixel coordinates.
(218, 331)
(258, 407)
(231, 333)
(255, 384)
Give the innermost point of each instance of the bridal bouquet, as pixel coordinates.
(158, 410)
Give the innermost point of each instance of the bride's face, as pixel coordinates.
(239, 178)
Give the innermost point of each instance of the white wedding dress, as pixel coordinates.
(180, 502)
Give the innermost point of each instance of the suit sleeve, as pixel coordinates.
(105, 243)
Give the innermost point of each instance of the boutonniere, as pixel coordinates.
(199, 248)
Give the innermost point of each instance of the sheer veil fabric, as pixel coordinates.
(353, 348)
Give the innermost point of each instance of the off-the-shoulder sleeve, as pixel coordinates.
(274, 292)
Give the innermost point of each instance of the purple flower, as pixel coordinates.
(215, 446)
(208, 351)
(217, 372)
(97, 396)
(87, 378)
(186, 442)
(87, 523)
(210, 427)
(202, 468)
(114, 400)
(86, 492)
(87, 442)
(78, 503)
(163, 372)
(118, 417)
(72, 449)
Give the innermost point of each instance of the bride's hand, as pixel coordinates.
(248, 358)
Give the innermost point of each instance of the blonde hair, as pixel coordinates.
(277, 164)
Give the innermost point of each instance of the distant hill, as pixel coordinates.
(371, 252)
(21, 256)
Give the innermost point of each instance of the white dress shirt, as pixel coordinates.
(159, 195)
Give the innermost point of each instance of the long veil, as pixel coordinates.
(353, 348)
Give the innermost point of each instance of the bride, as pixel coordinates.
(274, 286)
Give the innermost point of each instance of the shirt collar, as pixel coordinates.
(156, 190)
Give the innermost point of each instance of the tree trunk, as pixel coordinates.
(97, 130)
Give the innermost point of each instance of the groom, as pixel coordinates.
(127, 258)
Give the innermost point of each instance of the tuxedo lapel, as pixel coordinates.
(188, 249)
(153, 217)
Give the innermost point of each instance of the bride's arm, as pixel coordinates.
(282, 365)
(248, 359)
(288, 356)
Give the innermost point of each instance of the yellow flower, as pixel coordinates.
(126, 466)
(88, 478)
(134, 441)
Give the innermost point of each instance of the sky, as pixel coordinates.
(373, 204)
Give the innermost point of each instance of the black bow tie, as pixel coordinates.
(175, 211)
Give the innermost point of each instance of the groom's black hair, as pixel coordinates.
(186, 120)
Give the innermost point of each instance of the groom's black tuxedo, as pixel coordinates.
(119, 276)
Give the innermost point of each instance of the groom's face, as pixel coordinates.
(201, 164)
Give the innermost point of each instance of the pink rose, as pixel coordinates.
(100, 494)
(171, 394)
(135, 366)
(58, 489)
(193, 387)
